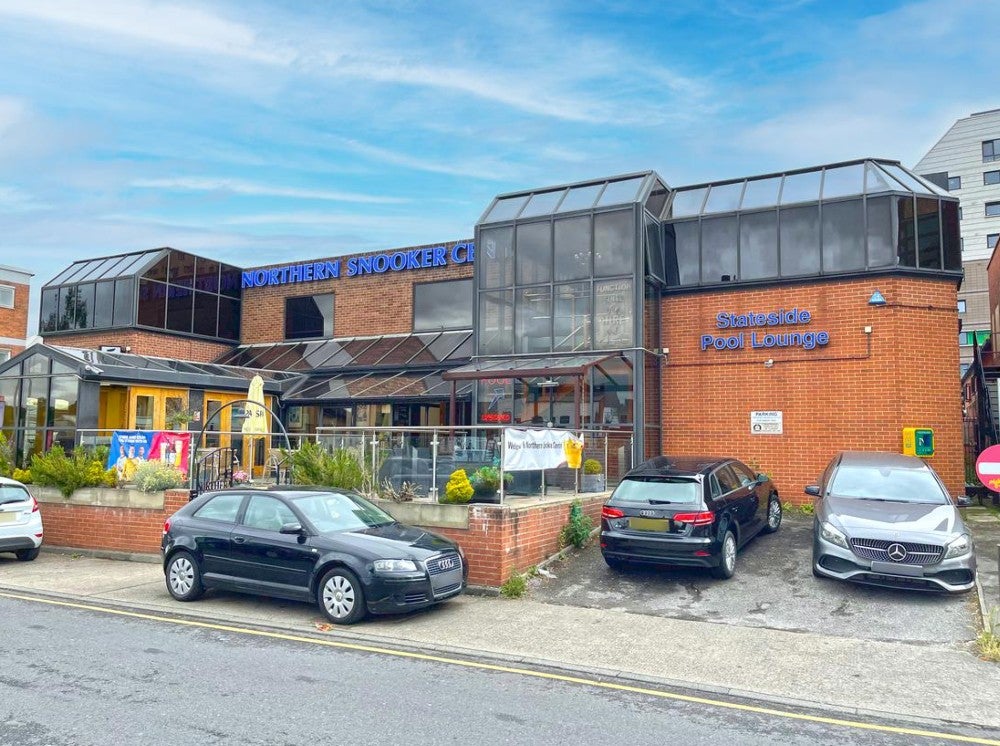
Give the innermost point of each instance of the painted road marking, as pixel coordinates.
(514, 670)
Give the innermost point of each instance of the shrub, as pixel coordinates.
(407, 491)
(592, 466)
(22, 475)
(459, 488)
(487, 479)
(577, 530)
(154, 476)
(515, 586)
(311, 464)
(6, 456)
(110, 478)
(67, 473)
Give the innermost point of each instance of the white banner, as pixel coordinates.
(525, 450)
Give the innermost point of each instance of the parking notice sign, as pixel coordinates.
(766, 423)
(988, 468)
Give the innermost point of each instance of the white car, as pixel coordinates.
(20, 521)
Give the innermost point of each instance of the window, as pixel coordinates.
(267, 514)
(221, 508)
(991, 177)
(993, 209)
(728, 481)
(954, 182)
(991, 240)
(961, 305)
(991, 151)
(442, 305)
(6, 296)
(309, 316)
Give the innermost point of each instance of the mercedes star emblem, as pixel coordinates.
(896, 552)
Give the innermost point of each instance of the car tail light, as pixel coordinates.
(607, 512)
(695, 519)
(34, 504)
(166, 526)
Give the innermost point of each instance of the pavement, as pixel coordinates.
(924, 681)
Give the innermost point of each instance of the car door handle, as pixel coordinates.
(239, 540)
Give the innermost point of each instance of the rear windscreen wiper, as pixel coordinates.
(660, 502)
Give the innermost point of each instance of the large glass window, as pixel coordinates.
(180, 308)
(906, 243)
(309, 316)
(758, 245)
(534, 253)
(683, 253)
(442, 305)
(800, 241)
(614, 243)
(613, 317)
(718, 249)
(533, 316)
(928, 234)
(881, 249)
(496, 322)
(843, 236)
(152, 303)
(950, 215)
(48, 314)
(571, 317)
(991, 177)
(206, 314)
(104, 303)
(124, 302)
(572, 248)
(495, 257)
(229, 318)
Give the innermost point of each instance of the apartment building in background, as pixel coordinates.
(14, 297)
(966, 162)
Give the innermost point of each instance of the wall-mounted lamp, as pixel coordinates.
(548, 383)
(769, 363)
(867, 330)
(877, 299)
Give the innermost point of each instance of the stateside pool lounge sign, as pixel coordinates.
(356, 266)
(764, 330)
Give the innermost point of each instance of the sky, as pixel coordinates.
(262, 132)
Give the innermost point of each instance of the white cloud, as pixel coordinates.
(236, 186)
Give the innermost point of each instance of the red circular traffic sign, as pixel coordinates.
(988, 468)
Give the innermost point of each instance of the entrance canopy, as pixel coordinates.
(527, 367)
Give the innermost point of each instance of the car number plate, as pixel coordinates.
(893, 568)
(8, 517)
(649, 524)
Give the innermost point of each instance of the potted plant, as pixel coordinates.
(593, 476)
(486, 484)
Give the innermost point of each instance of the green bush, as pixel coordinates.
(154, 476)
(67, 473)
(577, 530)
(459, 488)
(592, 466)
(22, 475)
(515, 586)
(487, 479)
(6, 456)
(312, 465)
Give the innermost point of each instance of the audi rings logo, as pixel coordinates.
(446, 563)
(647, 513)
(896, 552)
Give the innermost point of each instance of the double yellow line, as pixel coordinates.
(518, 671)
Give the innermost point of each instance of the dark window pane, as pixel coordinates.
(124, 302)
(230, 279)
(48, 316)
(954, 182)
(309, 316)
(496, 322)
(571, 317)
(542, 203)
(613, 314)
(657, 198)
(614, 243)
(844, 181)
(496, 258)
(906, 243)
(991, 240)
(654, 249)
(181, 269)
(758, 245)
(800, 187)
(180, 308)
(951, 232)
(152, 304)
(572, 248)
(104, 303)
(229, 318)
(533, 315)
(718, 249)
(506, 209)
(928, 234)
(159, 270)
(682, 253)
(67, 311)
(83, 306)
(991, 177)
(580, 198)
(992, 209)
(799, 233)
(207, 276)
(724, 197)
(761, 193)
(442, 305)
(881, 247)
(843, 236)
(206, 314)
(533, 253)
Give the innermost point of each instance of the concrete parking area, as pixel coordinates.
(773, 588)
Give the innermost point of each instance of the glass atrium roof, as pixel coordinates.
(376, 387)
(527, 367)
(837, 181)
(108, 267)
(611, 192)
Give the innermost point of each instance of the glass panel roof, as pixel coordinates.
(105, 267)
(761, 193)
(580, 198)
(505, 209)
(542, 203)
(802, 187)
(724, 197)
(606, 193)
(620, 192)
(688, 202)
(528, 366)
(844, 181)
(376, 386)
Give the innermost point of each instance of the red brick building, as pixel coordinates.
(15, 294)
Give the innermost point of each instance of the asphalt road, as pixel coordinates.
(773, 587)
(82, 677)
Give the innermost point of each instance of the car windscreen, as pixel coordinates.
(333, 511)
(13, 493)
(658, 491)
(888, 483)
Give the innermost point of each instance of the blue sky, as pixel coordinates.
(258, 132)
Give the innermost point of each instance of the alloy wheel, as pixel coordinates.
(729, 552)
(181, 576)
(774, 514)
(338, 596)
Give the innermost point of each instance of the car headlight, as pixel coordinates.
(833, 535)
(958, 547)
(395, 565)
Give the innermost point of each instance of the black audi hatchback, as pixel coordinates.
(692, 511)
(331, 547)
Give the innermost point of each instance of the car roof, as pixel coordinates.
(882, 459)
(289, 492)
(681, 466)
(11, 482)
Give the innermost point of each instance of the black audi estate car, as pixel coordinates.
(331, 547)
(693, 511)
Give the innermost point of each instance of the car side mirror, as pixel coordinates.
(963, 501)
(761, 478)
(291, 528)
(812, 489)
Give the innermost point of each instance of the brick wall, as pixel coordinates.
(363, 305)
(14, 321)
(143, 342)
(858, 392)
(109, 528)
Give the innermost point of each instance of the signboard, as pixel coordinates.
(766, 423)
(988, 468)
(129, 448)
(765, 338)
(526, 450)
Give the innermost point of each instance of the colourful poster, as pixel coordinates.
(172, 448)
(128, 448)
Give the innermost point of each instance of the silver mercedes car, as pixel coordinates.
(886, 519)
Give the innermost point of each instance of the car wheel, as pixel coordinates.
(184, 577)
(340, 596)
(727, 560)
(26, 555)
(774, 513)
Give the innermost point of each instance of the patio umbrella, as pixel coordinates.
(255, 423)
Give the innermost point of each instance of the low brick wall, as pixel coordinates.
(117, 520)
